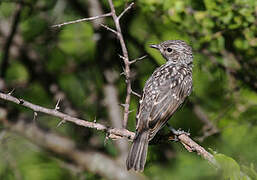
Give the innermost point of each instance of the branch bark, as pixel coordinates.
(113, 133)
(125, 59)
(81, 20)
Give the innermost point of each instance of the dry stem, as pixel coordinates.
(114, 133)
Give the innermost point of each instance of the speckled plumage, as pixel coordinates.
(163, 94)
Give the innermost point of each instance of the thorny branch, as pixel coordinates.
(125, 59)
(127, 63)
(114, 133)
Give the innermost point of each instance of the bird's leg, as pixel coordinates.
(177, 132)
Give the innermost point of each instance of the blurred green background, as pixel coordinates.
(44, 64)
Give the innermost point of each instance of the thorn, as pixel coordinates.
(21, 101)
(131, 111)
(57, 105)
(35, 116)
(126, 60)
(137, 59)
(190, 149)
(123, 105)
(123, 69)
(60, 123)
(135, 93)
(10, 93)
(122, 57)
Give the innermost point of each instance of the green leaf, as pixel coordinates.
(229, 167)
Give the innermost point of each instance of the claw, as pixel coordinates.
(177, 132)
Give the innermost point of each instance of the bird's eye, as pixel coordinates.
(169, 50)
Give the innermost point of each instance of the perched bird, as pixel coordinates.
(163, 94)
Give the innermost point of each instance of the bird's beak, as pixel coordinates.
(156, 46)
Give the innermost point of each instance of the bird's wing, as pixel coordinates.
(163, 94)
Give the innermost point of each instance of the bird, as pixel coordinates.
(164, 92)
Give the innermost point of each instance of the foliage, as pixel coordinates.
(223, 35)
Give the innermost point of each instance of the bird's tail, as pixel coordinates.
(138, 152)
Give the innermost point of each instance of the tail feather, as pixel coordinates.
(138, 152)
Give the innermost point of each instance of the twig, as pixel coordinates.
(136, 94)
(138, 59)
(123, 47)
(81, 20)
(109, 29)
(57, 107)
(66, 117)
(125, 59)
(125, 10)
(10, 93)
(188, 143)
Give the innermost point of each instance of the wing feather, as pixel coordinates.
(163, 94)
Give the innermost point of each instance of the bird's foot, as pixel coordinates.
(177, 133)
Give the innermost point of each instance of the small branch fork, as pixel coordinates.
(125, 57)
(113, 133)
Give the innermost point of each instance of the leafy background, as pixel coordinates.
(73, 59)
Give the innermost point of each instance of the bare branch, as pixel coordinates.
(123, 46)
(81, 20)
(137, 59)
(66, 117)
(109, 29)
(192, 146)
(136, 94)
(125, 10)
(126, 59)
(114, 133)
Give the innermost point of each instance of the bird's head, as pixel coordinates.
(175, 51)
